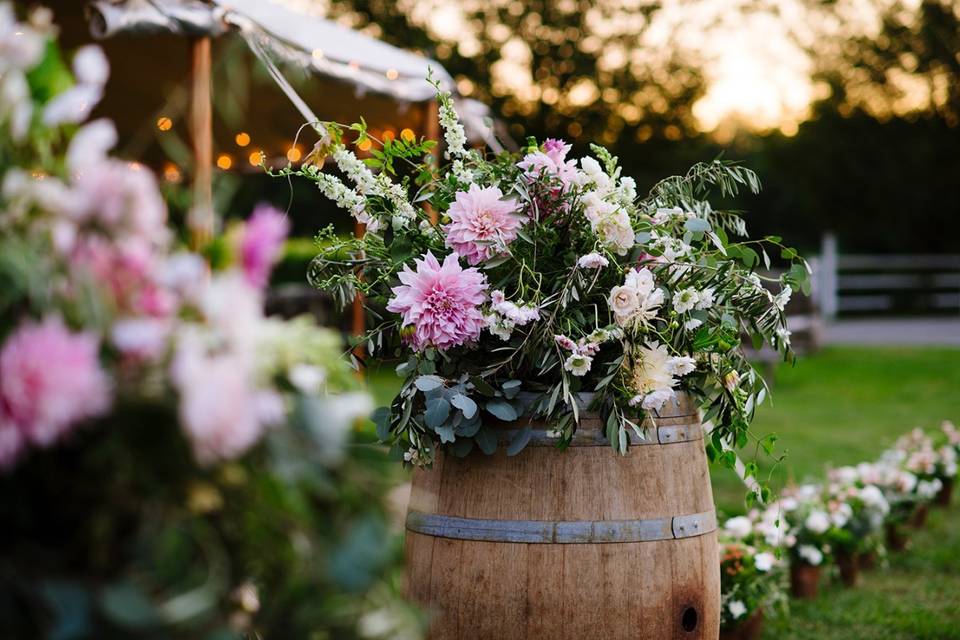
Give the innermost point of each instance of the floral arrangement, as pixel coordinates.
(862, 509)
(194, 448)
(541, 273)
(752, 575)
(809, 524)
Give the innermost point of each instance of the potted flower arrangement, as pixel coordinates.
(858, 512)
(752, 580)
(951, 440)
(899, 488)
(809, 528)
(914, 452)
(147, 487)
(526, 295)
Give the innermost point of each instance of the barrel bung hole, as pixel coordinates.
(689, 619)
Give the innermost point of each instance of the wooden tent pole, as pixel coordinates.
(431, 119)
(200, 220)
(359, 321)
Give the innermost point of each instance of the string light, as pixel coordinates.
(294, 154)
(365, 145)
(408, 135)
(224, 161)
(392, 74)
(242, 139)
(256, 157)
(389, 134)
(164, 123)
(171, 173)
(318, 54)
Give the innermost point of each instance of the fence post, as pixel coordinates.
(828, 276)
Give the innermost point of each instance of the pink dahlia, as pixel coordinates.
(50, 379)
(441, 302)
(482, 223)
(262, 243)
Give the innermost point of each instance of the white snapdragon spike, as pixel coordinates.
(810, 554)
(346, 198)
(453, 132)
(596, 175)
(610, 222)
(626, 191)
(358, 172)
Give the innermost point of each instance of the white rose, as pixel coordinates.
(624, 302)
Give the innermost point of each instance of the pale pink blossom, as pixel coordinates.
(221, 411)
(565, 343)
(551, 163)
(261, 244)
(441, 302)
(592, 261)
(50, 380)
(122, 198)
(482, 223)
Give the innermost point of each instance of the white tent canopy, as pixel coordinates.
(335, 51)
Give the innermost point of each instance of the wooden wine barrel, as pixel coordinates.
(576, 544)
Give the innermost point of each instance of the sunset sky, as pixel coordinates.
(751, 52)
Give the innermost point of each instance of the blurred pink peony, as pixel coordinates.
(122, 199)
(222, 412)
(50, 379)
(442, 303)
(261, 243)
(482, 223)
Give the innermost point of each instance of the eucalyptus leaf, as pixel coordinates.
(502, 410)
(428, 383)
(438, 410)
(519, 441)
(487, 441)
(465, 404)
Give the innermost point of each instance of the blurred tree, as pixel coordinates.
(908, 66)
(574, 68)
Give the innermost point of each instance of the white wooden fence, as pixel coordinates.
(868, 283)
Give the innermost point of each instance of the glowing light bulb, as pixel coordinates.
(294, 154)
(242, 139)
(164, 123)
(224, 161)
(256, 157)
(408, 135)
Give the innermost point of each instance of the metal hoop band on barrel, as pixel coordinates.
(569, 532)
(596, 438)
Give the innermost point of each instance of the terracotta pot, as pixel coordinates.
(804, 580)
(896, 538)
(867, 561)
(919, 518)
(849, 566)
(946, 493)
(749, 629)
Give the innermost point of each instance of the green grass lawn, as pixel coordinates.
(843, 406)
(846, 405)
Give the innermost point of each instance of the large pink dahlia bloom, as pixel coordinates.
(50, 379)
(482, 224)
(441, 302)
